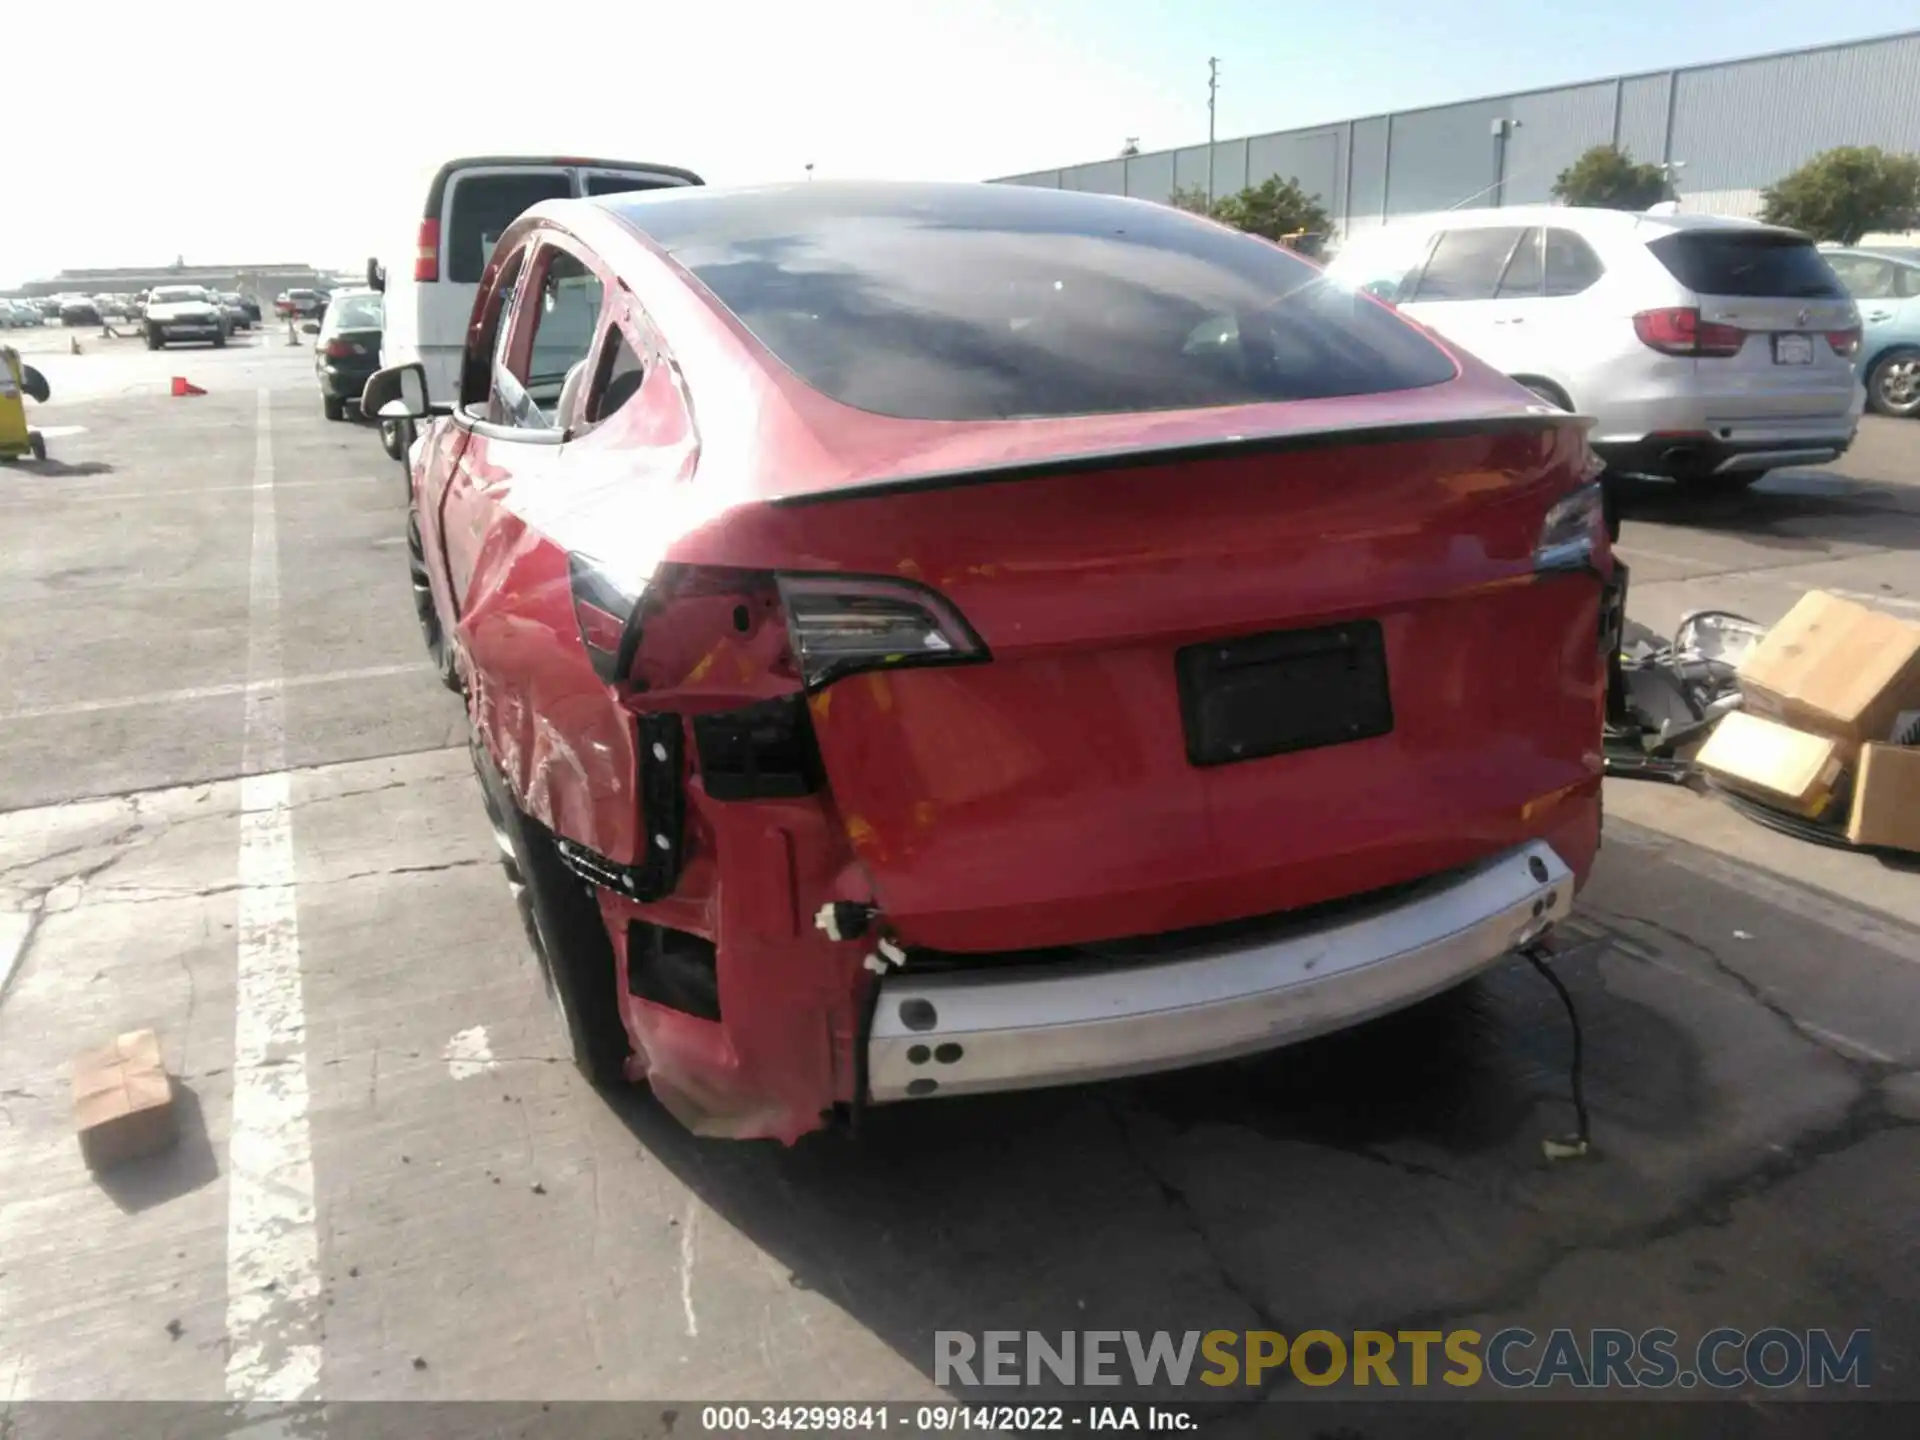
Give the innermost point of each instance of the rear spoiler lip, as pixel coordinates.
(1135, 457)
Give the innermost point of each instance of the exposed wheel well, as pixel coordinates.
(1898, 347)
(1539, 384)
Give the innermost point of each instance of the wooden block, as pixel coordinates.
(123, 1100)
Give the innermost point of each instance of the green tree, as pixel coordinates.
(1192, 199)
(1846, 193)
(1274, 208)
(1608, 177)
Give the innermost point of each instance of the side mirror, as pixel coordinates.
(309, 327)
(376, 274)
(399, 393)
(33, 383)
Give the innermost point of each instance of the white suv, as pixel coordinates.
(430, 293)
(1708, 350)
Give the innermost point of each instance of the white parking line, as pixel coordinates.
(68, 492)
(213, 692)
(273, 1249)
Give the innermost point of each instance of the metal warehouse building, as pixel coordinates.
(1732, 128)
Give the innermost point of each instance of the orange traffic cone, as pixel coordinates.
(184, 386)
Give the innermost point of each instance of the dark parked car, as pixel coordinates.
(79, 310)
(240, 314)
(932, 639)
(347, 349)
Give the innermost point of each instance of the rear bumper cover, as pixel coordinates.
(1020, 1028)
(1686, 456)
(344, 382)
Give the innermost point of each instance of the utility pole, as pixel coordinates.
(1213, 91)
(809, 169)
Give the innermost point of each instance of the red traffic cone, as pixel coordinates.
(184, 386)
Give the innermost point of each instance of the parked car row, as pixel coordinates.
(20, 314)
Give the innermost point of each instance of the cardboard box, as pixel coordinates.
(1886, 798)
(1832, 667)
(1786, 768)
(123, 1100)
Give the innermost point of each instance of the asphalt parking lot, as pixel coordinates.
(235, 806)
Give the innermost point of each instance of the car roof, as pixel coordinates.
(1589, 219)
(678, 216)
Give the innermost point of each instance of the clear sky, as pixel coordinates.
(267, 131)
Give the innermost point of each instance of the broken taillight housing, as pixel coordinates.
(839, 624)
(603, 608)
(1573, 530)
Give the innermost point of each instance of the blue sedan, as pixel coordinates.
(1887, 290)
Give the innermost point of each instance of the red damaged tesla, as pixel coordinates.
(927, 639)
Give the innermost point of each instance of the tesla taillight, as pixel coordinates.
(426, 258)
(1572, 533)
(839, 624)
(340, 349)
(1681, 331)
(604, 609)
(1844, 342)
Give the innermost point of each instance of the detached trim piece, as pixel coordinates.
(662, 807)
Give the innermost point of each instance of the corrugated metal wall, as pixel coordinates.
(1642, 127)
(1551, 130)
(1734, 128)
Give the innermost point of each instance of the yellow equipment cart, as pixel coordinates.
(18, 380)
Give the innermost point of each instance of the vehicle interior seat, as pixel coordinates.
(564, 409)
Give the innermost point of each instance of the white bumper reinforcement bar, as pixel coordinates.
(1012, 1028)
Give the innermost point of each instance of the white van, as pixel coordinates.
(430, 294)
(1708, 350)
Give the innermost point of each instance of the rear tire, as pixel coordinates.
(220, 340)
(439, 650)
(392, 442)
(155, 340)
(1893, 385)
(37, 443)
(564, 928)
(335, 409)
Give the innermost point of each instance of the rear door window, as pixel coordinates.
(1466, 264)
(483, 205)
(1731, 262)
(1522, 280)
(553, 329)
(1867, 278)
(1571, 265)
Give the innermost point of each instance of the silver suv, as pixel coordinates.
(1708, 350)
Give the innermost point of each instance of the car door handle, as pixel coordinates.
(1879, 315)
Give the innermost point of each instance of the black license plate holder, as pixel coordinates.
(1285, 691)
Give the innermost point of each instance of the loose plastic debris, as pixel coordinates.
(1676, 691)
